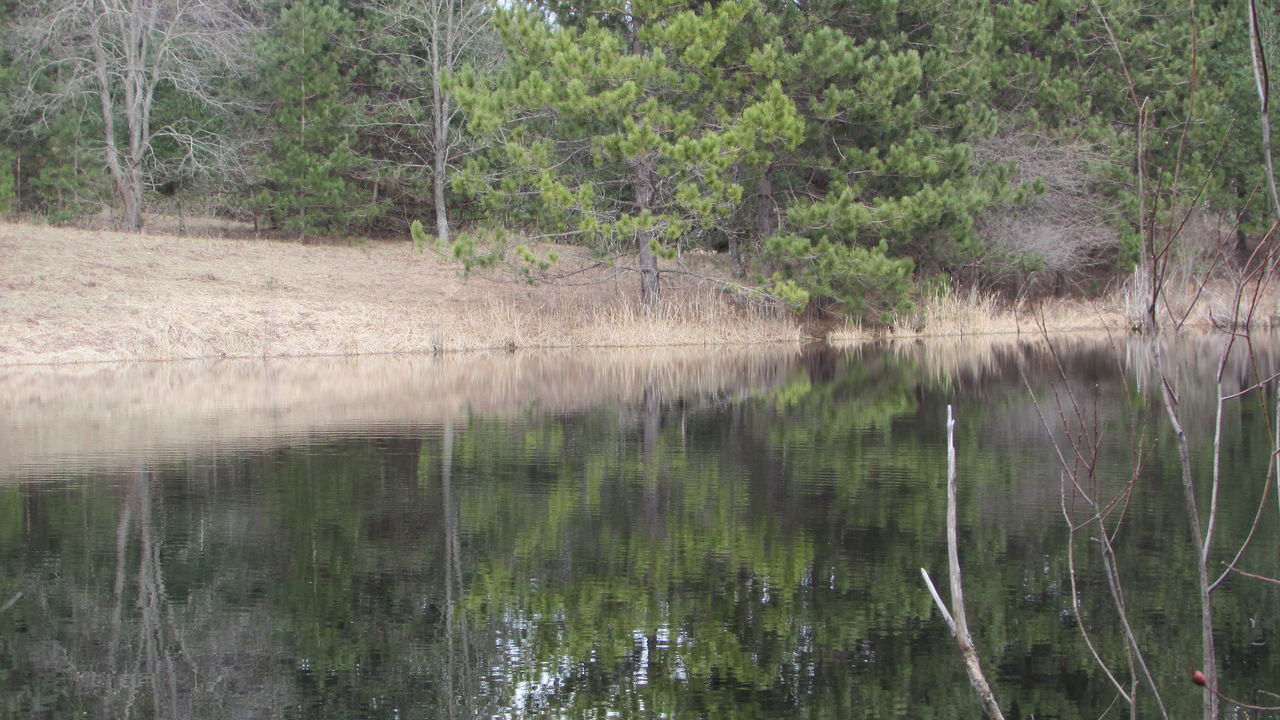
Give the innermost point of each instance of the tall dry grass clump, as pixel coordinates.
(1223, 300)
(973, 313)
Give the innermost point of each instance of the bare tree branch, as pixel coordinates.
(121, 52)
(957, 619)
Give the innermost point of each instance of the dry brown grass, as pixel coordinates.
(85, 295)
(968, 314)
(965, 314)
(92, 295)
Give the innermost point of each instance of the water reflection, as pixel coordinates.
(130, 412)
(707, 534)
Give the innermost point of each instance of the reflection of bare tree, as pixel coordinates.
(456, 625)
(135, 652)
(151, 661)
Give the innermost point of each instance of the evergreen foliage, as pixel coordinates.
(49, 163)
(8, 194)
(884, 180)
(310, 184)
(618, 130)
(62, 176)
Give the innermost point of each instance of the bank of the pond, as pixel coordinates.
(70, 295)
(79, 296)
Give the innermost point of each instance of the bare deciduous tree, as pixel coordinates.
(1068, 228)
(121, 52)
(432, 39)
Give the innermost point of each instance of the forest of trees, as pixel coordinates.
(841, 154)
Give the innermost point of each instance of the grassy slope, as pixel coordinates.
(76, 295)
(85, 295)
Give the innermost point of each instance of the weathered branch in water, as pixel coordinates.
(1198, 539)
(960, 624)
(937, 599)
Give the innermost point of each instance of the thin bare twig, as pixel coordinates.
(1137, 662)
(1075, 596)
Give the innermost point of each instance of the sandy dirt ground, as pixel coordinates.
(85, 296)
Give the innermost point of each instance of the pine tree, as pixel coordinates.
(884, 182)
(614, 125)
(57, 168)
(308, 76)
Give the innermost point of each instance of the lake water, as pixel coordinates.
(681, 534)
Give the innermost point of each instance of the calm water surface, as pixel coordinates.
(688, 534)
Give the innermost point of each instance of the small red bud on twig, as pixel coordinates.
(1198, 678)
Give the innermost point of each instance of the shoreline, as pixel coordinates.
(75, 296)
(71, 296)
(846, 339)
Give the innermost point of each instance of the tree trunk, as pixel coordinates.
(131, 197)
(1149, 267)
(650, 288)
(767, 209)
(138, 92)
(766, 223)
(438, 183)
(1264, 95)
(130, 203)
(440, 124)
(127, 177)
